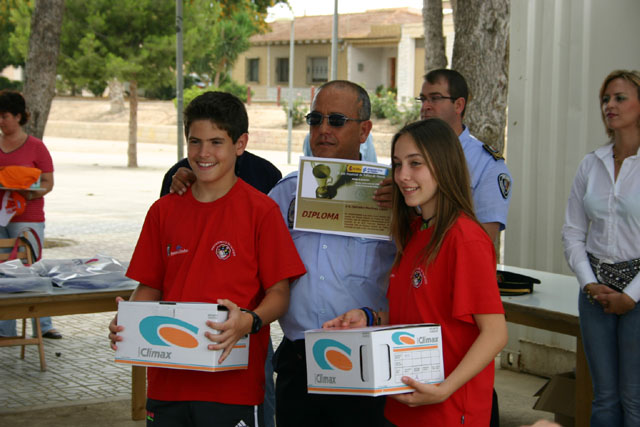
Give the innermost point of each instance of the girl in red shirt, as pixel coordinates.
(445, 273)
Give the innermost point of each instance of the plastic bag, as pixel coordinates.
(15, 277)
(99, 272)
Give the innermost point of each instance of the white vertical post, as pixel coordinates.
(334, 43)
(290, 118)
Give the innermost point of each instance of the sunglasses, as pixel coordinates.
(336, 120)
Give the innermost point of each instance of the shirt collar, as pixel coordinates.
(604, 151)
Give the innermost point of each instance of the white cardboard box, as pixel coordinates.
(371, 361)
(171, 335)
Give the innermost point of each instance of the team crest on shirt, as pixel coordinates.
(504, 182)
(223, 250)
(291, 214)
(418, 277)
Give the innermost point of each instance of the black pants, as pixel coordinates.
(295, 407)
(200, 414)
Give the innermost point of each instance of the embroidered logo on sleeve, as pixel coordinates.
(223, 250)
(177, 250)
(504, 182)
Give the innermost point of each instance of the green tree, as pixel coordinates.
(134, 42)
(216, 33)
(7, 28)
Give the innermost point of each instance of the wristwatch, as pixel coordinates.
(257, 321)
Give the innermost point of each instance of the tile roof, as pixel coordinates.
(371, 23)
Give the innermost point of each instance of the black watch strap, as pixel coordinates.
(257, 321)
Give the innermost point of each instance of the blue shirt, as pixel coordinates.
(367, 150)
(490, 181)
(343, 272)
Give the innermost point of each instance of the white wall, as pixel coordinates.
(372, 73)
(560, 51)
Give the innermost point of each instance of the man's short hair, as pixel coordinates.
(458, 87)
(364, 112)
(226, 111)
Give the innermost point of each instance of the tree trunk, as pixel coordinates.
(434, 49)
(481, 54)
(42, 60)
(116, 96)
(132, 153)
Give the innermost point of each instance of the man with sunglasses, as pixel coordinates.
(445, 95)
(342, 272)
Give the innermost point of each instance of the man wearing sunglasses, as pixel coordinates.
(342, 272)
(445, 95)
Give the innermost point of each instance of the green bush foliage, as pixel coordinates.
(5, 83)
(298, 111)
(384, 106)
(229, 86)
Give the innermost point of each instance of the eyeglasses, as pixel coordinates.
(336, 120)
(432, 99)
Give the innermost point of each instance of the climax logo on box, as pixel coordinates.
(330, 354)
(403, 338)
(166, 331)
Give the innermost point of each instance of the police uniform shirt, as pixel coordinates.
(490, 180)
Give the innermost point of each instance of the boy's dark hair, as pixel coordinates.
(223, 109)
(458, 87)
(13, 102)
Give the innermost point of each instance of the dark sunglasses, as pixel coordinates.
(336, 120)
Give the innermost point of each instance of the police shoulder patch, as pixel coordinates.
(291, 214)
(494, 153)
(504, 182)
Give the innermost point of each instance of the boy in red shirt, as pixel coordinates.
(221, 242)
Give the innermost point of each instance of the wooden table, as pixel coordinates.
(553, 306)
(62, 302)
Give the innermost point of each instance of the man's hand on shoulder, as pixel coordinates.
(182, 179)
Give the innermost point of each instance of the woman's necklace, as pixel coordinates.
(616, 160)
(425, 223)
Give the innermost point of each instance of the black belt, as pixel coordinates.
(616, 276)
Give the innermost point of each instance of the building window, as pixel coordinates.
(253, 69)
(282, 70)
(318, 70)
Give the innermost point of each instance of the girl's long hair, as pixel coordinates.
(441, 148)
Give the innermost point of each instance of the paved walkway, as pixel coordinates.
(98, 205)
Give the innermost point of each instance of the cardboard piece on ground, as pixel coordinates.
(171, 335)
(371, 361)
(558, 395)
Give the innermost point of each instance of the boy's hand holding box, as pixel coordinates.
(171, 335)
(372, 361)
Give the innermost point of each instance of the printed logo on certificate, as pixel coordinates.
(335, 196)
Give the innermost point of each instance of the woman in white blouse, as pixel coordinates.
(601, 238)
